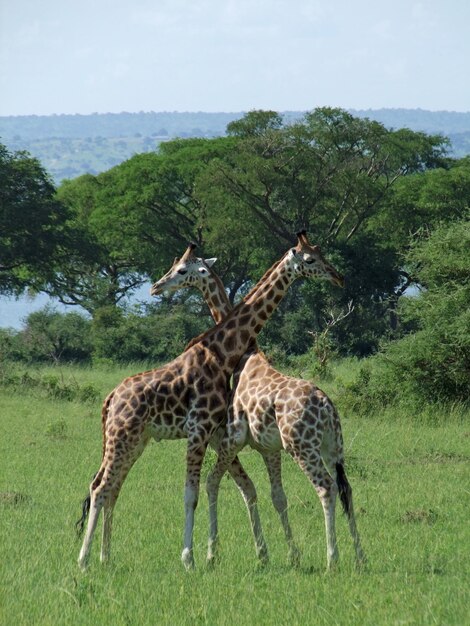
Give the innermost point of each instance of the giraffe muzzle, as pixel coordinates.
(156, 290)
(338, 280)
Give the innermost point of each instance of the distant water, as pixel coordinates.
(14, 311)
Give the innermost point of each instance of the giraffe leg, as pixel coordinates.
(107, 528)
(95, 509)
(228, 461)
(104, 492)
(108, 519)
(279, 500)
(326, 488)
(194, 458)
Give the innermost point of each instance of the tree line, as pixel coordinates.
(386, 205)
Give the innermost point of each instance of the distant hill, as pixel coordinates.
(71, 145)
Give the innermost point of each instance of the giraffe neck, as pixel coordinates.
(216, 298)
(231, 338)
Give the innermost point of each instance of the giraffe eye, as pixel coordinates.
(310, 261)
(182, 272)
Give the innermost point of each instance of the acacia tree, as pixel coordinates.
(331, 173)
(242, 198)
(33, 233)
(130, 221)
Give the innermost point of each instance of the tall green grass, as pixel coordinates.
(410, 482)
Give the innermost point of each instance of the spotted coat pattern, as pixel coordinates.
(188, 397)
(271, 412)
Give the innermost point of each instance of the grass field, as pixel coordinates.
(411, 488)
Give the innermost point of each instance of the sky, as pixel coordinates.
(85, 56)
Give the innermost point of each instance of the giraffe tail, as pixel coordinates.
(80, 523)
(344, 489)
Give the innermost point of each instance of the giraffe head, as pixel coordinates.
(307, 260)
(188, 271)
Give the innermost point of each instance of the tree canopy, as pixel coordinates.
(361, 190)
(32, 223)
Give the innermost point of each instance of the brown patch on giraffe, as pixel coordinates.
(244, 319)
(215, 402)
(279, 285)
(167, 419)
(233, 360)
(230, 342)
(189, 379)
(244, 336)
(220, 336)
(217, 351)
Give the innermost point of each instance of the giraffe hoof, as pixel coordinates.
(263, 557)
(188, 559)
(211, 561)
(294, 557)
(362, 564)
(83, 565)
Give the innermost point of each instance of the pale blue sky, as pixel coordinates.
(82, 56)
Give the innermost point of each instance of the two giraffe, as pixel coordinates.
(270, 412)
(187, 398)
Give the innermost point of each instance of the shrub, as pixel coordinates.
(47, 385)
(143, 335)
(431, 364)
(49, 336)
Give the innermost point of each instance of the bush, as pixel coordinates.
(49, 336)
(431, 364)
(142, 334)
(46, 385)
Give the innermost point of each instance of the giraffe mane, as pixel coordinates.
(220, 285)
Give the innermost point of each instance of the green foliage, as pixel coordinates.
(243, 197)
(138, 336)
(52, 336)
(32, 223)
(45, 385)
(431, 364)
(360, 189)
(423, 201)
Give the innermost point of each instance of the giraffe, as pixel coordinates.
(263, 401)
(187, 399)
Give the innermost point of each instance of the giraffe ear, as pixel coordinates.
(210, 262)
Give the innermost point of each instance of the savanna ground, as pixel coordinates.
(410, 476)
